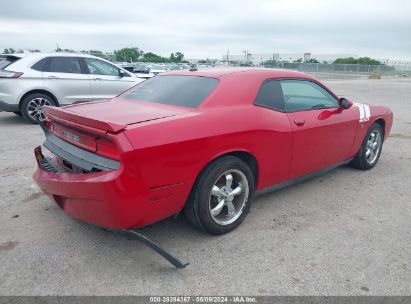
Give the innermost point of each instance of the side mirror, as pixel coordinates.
(122, 74)
(345, 103)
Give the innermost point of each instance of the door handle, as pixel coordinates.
(299, 122)
(52, 77)
(97, 79)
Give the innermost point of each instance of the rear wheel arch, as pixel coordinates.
(39, 91)
(245, 156)
(381, 122)
(249, 159)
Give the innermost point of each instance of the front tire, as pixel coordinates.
(222, 196)
(32, 107)
(371, 148)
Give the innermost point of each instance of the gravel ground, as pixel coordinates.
(345, 233)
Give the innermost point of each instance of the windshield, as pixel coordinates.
(186, 91)
(5, 61)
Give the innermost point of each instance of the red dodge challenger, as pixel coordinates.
(203, 142)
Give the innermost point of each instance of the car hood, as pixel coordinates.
(115, 114)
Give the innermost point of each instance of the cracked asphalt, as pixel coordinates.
(347, 232)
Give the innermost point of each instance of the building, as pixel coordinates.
(400, 65)
(257, 59)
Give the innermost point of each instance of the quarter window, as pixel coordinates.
(270, 95)
(99, 67)
(302, 95)
(65, 65)
(40, 65)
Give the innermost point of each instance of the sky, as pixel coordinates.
(208, 28)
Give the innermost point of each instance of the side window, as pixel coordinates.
(302, 95)
(99, 67)
(40, 65)
(270, 95)
(65, 65)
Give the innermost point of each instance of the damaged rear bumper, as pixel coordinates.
(111, 198)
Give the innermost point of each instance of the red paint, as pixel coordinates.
(163, 148)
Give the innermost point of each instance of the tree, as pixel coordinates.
(179, 56)
(130, 54)
(151, 57)
(270, 62)
(9, 51)
(361, 60)
(313, 60)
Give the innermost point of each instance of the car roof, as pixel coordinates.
(231, 71)
(19, 55)
(55, 54)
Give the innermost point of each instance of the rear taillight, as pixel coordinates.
(89, 141)
(9, 74)
(80, 139)
(107, 148)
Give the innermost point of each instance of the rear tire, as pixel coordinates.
(222, 196)
(32, 107)
(371, 148)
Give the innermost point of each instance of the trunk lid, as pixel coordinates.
(113, 115)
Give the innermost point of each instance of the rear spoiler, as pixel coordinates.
(62, 115)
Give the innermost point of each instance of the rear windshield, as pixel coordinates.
(5, 61)
(186, 91)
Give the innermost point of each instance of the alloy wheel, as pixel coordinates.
(373, 146)
(35, 108)
(228, 197)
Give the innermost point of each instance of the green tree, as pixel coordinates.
(179, 56)
(9, 51)
(130, 54)
(151, 57)
(361, 60)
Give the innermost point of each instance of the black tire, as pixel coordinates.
(26, 104)
(361, 161)
(18, 113)
(197, 208)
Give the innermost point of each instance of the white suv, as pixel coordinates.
(30, 81)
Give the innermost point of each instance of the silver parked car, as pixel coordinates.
(30, 81)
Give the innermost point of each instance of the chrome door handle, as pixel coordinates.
(52, 77)
(97, 79)
(299, 122)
